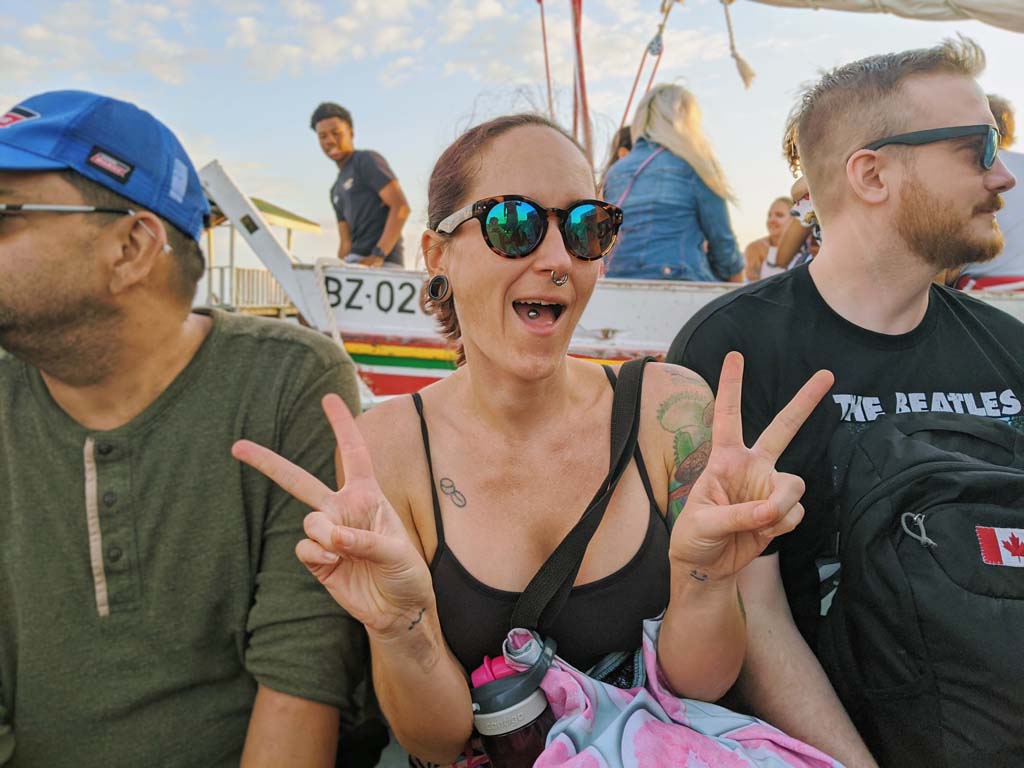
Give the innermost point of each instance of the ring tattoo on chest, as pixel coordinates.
(448, 488)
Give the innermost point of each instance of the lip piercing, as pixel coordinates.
(562, 280)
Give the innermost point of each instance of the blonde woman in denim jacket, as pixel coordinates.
(673, 194)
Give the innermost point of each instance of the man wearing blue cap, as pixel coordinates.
(152, 611)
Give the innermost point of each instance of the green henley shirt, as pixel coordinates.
(148, 581)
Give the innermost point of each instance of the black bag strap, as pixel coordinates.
(546, 594)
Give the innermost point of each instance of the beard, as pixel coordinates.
(69, 339)
(938, 231)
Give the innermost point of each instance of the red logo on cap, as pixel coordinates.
(105, 162)
(17, 115)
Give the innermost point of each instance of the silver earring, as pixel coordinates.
(561, 280)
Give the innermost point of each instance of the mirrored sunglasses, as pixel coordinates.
(514, 226)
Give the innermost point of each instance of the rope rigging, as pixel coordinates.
(547, 64)
(655, 48)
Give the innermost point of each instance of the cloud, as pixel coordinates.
(397, 71)
(396, 39)
(245, 34)
(274, 59)
(16, 64)
(462, 17)
(49, 45)
(36, 33)
(240, 7)
(166, 60)
(389, 10)
(309, 39)
(303, 10)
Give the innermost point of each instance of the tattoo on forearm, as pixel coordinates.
(448, 489)
(696, 575)
(418, 619)
(687, 414)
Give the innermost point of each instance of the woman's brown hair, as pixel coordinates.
(449, 184)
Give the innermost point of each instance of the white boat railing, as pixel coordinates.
(247, 288)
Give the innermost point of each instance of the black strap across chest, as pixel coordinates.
(548, 591)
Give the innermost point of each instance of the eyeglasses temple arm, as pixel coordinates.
(450, 223)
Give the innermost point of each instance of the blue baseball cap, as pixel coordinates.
(110, 142)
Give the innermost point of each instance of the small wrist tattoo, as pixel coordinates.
(698, 575)
(418, 618)
(448, 489)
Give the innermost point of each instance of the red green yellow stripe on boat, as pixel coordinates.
(397, 369)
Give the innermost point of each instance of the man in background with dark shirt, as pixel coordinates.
(367, 198)
(898, 202)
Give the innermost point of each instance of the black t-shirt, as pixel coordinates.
(965, 356)
(356, 200)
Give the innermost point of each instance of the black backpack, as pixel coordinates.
(924, 641)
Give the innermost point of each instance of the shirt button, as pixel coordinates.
(114, 554)
(109, 498)
(104, 449)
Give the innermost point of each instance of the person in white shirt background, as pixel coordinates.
(1006, 271)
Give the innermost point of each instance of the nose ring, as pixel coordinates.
(559, 280)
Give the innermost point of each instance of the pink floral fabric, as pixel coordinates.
(600, 726)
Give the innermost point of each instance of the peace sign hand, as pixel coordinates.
(740, 502)
(357, 546)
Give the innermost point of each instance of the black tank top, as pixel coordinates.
(600, 617)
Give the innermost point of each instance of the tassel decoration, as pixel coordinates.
(747, 73)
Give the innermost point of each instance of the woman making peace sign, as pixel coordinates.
(453, 499)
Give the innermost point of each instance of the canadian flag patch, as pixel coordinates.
(1001, 546)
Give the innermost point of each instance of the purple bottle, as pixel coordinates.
(511, 712)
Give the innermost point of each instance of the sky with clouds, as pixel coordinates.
(238, 79)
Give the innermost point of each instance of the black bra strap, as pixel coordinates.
(638, 454)
(542, 600)
(418, 402)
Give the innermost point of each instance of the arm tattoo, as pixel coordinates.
(700, 576)
(448, 489)
(687, 414)
(418, 619)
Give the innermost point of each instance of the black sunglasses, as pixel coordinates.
(16, 209)
(986, 157)
(514, 226)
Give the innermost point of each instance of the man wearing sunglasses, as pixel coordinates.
(901, 155)
(152, 611)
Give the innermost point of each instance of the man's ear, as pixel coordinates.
(870, 176)
(435, 252)
(136, 246)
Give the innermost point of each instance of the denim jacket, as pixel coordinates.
(668, 215)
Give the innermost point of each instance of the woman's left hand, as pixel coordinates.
(740, 502)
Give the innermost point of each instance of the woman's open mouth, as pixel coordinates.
(537, 314)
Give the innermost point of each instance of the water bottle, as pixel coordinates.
(510, 711)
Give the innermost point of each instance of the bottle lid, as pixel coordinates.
(513, 718)
(506, 692)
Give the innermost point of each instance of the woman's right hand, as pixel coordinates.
(357, 546)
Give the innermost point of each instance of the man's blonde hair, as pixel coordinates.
(859, 102)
